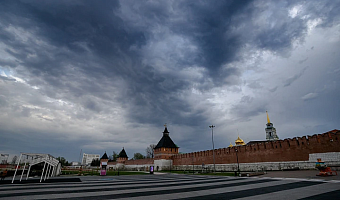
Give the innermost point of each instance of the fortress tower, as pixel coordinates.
(103, 164)
(270, 131)
(122, 157)
(104, 159)
(164, 150)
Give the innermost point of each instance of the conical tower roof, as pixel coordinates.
(104, 156)
(166, 141)
(122, 154)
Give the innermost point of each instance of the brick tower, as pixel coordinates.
(104, 158)
(270, 131)
(103, 164)
(164, 150)
(122, 157)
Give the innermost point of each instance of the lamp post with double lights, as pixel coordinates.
(212, 139)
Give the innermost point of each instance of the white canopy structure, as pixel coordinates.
(50, 168)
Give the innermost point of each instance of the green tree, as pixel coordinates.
(138, 156)
(114, 156)
(95, 162)
(149, 151)
(63, 161)
(14, 160)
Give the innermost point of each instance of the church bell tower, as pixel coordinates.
(270, 131)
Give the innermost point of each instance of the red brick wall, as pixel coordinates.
(112, 163)
(165, 153)
(295, 149)
(146, 161)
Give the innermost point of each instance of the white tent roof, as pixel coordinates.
(37, 158)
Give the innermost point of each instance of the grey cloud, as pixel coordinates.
(246, 99)
(6, 78)
(3, 101)
(309, 96)
(327, 11)
(26, 112)
(255, 85)
(97, 56)
(147, 95)
(248, 108)
(273, 89)
(302, 61)
(92, 105)
(290, 80)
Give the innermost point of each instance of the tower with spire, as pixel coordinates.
(103, 164)
(122, 156)
(270, 131)
(239, 141)
(164, 150)
(104, 158)
(165, 147)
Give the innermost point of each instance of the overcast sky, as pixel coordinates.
(103, 75)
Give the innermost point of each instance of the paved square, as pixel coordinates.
(170, 186)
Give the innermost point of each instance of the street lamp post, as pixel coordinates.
(238, 165)
(212, 139)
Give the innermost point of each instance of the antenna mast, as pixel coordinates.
(80, 161)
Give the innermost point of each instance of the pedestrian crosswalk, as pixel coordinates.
(175, 187)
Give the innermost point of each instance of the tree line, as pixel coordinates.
(136, 156)
(113, 158)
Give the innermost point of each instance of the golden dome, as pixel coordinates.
(230, 145)
(239, 141)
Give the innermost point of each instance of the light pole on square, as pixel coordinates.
(212, 139)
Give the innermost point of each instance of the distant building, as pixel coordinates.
(3, 158)
(87, 158)
(239, 142)
(75, 163)
(270, 131)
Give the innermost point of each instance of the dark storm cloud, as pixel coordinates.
(103, 71)
(209, 25)
(75, 29)
(94, 45)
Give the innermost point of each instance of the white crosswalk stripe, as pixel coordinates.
(174, 187)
